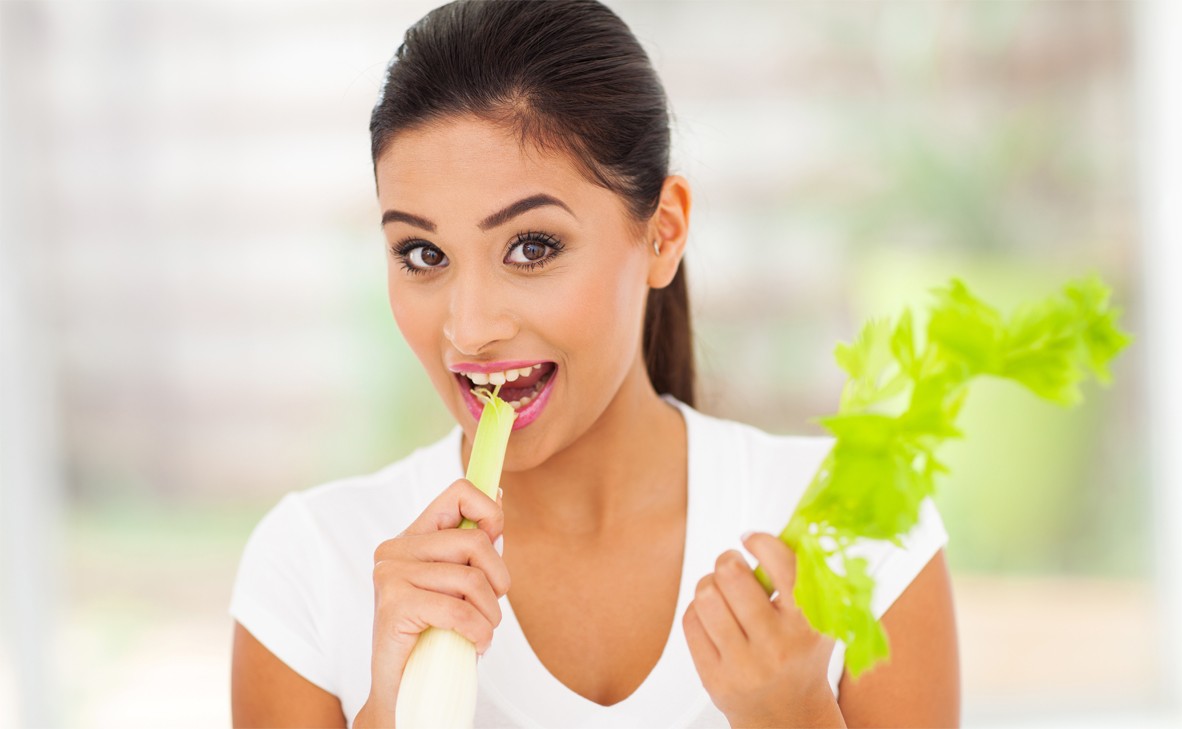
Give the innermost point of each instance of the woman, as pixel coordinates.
(535, 235)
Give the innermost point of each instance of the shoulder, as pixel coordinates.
(388, 494)
(770, 473)
(352, 512)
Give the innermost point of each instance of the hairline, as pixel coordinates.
(531, 138)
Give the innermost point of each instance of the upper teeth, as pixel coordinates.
(499, 378)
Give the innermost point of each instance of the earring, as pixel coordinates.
(657, 246)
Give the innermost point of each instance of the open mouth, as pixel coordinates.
(526, 389)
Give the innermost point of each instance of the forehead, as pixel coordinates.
(470, 164)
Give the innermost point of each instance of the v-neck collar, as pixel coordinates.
(512, 676)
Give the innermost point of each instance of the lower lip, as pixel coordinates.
(525, 415)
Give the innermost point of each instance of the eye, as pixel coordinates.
(426, 257)
(419, 256)
(531, 250)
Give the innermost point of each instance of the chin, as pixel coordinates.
(524, 453)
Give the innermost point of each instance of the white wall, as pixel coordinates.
(1159, 58)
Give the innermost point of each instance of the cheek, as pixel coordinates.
(413, 317)
(607, 309)
(400, 308)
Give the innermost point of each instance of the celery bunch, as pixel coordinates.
(899, 404)
(438, 689)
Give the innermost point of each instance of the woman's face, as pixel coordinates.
(505, 261)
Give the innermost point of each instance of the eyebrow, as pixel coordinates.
(498, 218)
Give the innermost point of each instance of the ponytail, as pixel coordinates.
(668, 340)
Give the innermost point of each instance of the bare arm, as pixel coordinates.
(920, 685)
(266, 692)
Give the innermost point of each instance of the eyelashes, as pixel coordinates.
(551, 245)
(413, 253)
(418, 256)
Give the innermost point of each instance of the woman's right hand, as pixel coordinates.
(434, 574)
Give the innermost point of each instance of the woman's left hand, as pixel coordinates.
(761, 662)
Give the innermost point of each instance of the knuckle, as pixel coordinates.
(380, 551)
(730, 565)
(390, 548)
(459, 612)
(466, 487)
(483, 633)
(724, 560)
(471, 623)
(704, 587)
(384, 598)
(473, 579)
(503, 582)
(381, 573)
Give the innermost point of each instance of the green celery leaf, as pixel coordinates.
(882, 465)
(965, 328)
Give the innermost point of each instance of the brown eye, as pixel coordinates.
(421, 257)
(533, 250)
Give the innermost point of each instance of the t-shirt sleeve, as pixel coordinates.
(894, 568)
(277, 595)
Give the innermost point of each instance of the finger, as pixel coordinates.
(458, 546)
(779, 562)
(458, 501)
(717, 619)
(702, 650)
(463, 547)
(744, 595)
(460, 581)
(444, 611)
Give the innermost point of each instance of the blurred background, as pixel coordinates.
(195, 321)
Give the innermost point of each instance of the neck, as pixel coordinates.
(628, 466)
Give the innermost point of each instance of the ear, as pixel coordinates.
(669, 228)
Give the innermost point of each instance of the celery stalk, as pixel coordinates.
(883, 463)
(488, 447)
(438, 689)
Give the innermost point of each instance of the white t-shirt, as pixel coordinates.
(304, 587)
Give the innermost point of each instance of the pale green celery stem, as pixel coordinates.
(488, 447)
(438, 689)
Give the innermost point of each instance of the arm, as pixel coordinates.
(920, 685)
(266, 692)
(764, 666)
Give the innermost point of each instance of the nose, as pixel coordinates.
(478, 316)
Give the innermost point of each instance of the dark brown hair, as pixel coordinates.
(567, 75)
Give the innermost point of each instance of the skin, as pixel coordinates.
(571, 478)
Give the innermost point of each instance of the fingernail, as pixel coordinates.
(500, 493)
(499, 545)
(745, 537)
